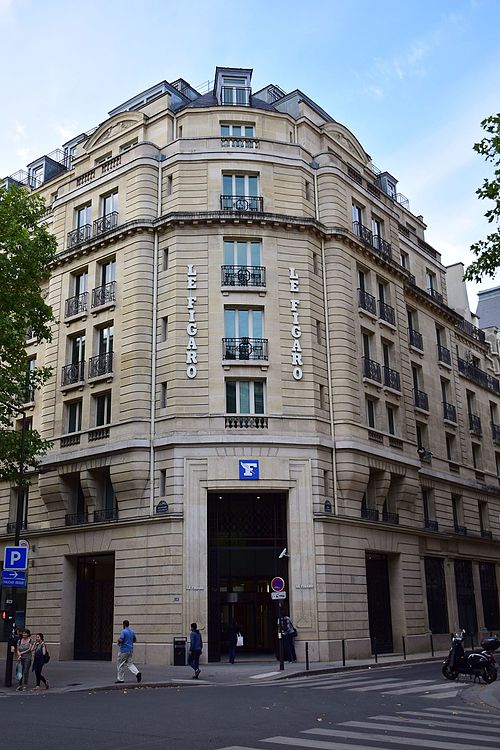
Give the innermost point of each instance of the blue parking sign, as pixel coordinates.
(15, 558)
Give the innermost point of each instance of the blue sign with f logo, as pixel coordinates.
(249, 469)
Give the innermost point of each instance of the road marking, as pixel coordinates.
(299, 742)
(261, 676)
(435, 717)
(393, 684)
(459, 734)
(410, 690)
(393, 740)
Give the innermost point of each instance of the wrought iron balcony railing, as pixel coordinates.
(415, 338)
(372, 370)
(231, 141)
(244, 348)
(243, 276)
(76, 305)
(478, 376)
(98, 433)
(364, 234)
(486, 534)
(471, 330)
(369, 514)
(101, 295)
(462, 530)
(387, 313)
(76, 519)
(390, 517)
(392, 379)
(101, 364)
(106, 514)
(495, 433)
(246, 421)
(475, 424)
(73, 373)
(367, 301)
(435, 294)
(238, 96)
(444, 354)
(11, 527)
(374, 240)
(431, 525)
(449, 412)
(382, 246)
(420, 399)
(105, 223)
(79, 235)
(241, 203)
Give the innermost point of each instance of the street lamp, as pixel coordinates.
(19, 522)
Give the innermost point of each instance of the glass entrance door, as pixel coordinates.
(94, 607)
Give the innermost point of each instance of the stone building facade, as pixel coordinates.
(254, 350)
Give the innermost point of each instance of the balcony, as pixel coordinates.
(102, 295)
(76, 519)
(371, 370)
(475, 424)
(237, 96)
(420, 399)
(243, 276)
(415, 339)
(73, 373)
(386, 312)
(367, 301)
(362, 232)
(449, 412)
(478, 376)
(79, 236)
(246, 421)
(391, 379)
(375, 241)
(230, 141)
(107, 514)
(444, 355)
(102, 364)
(462, 530)
(244, 348)
(98, 433)
(437, 296)
(431, 525)
(76, 305)
(486, 534)
(495, 433)
(424, 455)
(369, 514)
(11, 527)
(68, 440)
(471, 330)
(383, 247)
(105, 223)
(241, 203)
(390, 517)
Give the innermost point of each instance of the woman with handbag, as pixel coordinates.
(24, 650)
(289, 633)
(233, 633)
(40, 658)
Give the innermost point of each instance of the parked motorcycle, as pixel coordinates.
(480, 663)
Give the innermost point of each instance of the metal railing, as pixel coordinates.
(390, 517)
(367, 301)
(387, 313)
(486, 534)
(76, 519)
(79, 235)
(246, 421)
(392, 379)
(241, 203)
(375, 241)
(431, 525)
(420, 399)
(362, 232)
(233, 141)
(244, 348)
(372, 370)
(435, 294)
(416, 339)
(101, 364)
(475, 424)
(238, 96)
(104, 294)
(495, 432)
(462, 530)
(73, 373)
(382, 246)
(478, 376)
(444, 354)
(449, 412)
(106, 514)
(243, 276)
(369, 514)
(105, 223)
(76, 305)
(98, 433)
(471, 330)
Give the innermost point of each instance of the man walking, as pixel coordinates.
(195, 649)
(126, 641)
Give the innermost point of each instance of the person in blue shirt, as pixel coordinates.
(195, 649)
(126, 641)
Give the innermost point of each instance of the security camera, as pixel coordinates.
(283, 554)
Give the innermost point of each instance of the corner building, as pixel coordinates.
(254, 350)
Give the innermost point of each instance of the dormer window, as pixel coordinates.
(232, 86)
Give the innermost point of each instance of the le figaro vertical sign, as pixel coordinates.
(192, 327)
(296, 329)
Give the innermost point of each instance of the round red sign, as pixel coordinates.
(278, 584)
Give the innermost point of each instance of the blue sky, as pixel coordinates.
(412, 80)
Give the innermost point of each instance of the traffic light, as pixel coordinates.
(4, 614)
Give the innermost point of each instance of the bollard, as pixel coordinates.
(404, 648)
(343, 652)
(432, 644)
(307, 656)
(375, 650)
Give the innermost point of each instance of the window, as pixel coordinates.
(362, 280)
(105, 157)
(180, 131)
(163, 482)
(482, 508)
(164, 328)
(371, 412)
(129, 144)
(422, 436)
(456, 508)
(391, 419)
(489, 595)
(164, 396)
(431, 281)
(404, 260)
(366, 340)
(236, 135)
(37, 175)
(240, 185)
(322, 400)
(235, 91)
(476, 455)
(244, 397)
(247, 254)
(77, 348)
(79, 282)
(241, 322)
(450, 446)
(109, 203)
(315, 264)
(308, 192)
(102, 409)
(170, 182)
(318, 332)
(426, 505)
(377, 227)
(436, 595)
(105, 340)
(106, 272)
(357, 213)
(493, 413)
(82, 216)
(165, 259)
(74, 416)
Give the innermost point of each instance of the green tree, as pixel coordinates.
(488, 251)
(26, 252)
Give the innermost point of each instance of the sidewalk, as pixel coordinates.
(72, 676)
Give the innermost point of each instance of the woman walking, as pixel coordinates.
(39, 659)
(24, 650)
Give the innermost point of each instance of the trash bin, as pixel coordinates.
(180, 652)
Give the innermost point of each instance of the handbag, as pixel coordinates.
(239, 640)
(294, 633)
(19, 671)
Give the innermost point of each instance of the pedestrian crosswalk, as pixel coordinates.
(455, 728)
(437, 688)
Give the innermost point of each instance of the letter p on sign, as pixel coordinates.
(15, 558)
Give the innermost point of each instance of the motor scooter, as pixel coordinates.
(479, 663)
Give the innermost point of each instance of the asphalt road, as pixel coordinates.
(401, 708)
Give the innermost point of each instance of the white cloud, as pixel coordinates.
(5, 6)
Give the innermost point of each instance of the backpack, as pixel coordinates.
(46, 658)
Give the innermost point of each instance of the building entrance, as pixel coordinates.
(246, 533)
(379, 603)
(94, 607)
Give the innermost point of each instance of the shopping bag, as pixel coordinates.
(239, 640)
(19, 671)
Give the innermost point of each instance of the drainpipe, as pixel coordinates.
(154, 323)
(315, 167)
